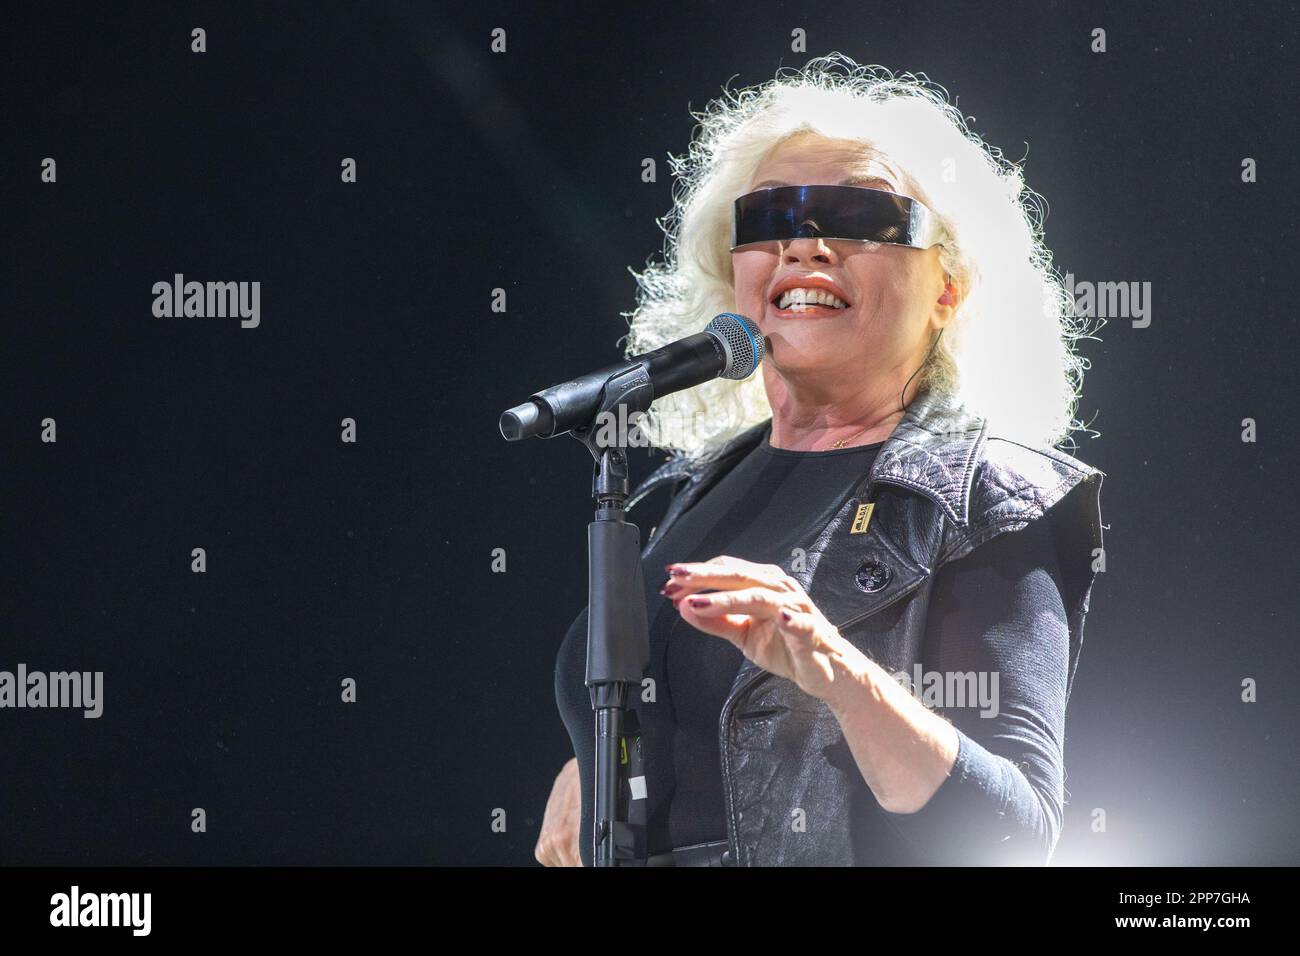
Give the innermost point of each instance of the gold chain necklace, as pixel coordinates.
(844, 441)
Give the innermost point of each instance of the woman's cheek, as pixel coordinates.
(748, 304)
(750, 276)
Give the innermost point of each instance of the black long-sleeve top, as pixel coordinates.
(997, 611)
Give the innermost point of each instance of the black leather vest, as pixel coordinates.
(941, 486)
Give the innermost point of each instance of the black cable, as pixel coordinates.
(901, 406)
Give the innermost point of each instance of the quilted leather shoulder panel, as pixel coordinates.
(1013, 485)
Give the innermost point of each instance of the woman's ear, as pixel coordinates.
(949, 296)
(949, 301)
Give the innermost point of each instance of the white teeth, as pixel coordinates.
(799, 299)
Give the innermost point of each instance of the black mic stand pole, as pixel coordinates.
(618, 639)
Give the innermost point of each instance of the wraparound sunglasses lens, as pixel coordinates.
(833, 212)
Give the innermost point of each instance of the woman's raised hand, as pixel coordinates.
(765, 612)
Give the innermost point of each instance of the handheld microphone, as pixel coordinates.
(731, 346)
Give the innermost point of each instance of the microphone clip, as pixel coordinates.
(625, 397)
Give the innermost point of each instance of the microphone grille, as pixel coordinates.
(741, 340)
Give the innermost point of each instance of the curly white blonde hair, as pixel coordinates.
(1009, 353)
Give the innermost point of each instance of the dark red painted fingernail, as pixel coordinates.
(678, 572)
(672, 587)
(699, 601)
(786, 616)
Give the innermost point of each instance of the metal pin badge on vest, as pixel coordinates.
(862, 519)
(872, 576)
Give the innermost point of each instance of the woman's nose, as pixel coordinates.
(812, 249)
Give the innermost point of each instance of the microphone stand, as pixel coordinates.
(618, 633)
(618, 638)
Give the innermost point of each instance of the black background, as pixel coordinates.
(522, 171)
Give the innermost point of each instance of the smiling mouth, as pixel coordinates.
(808, 301)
